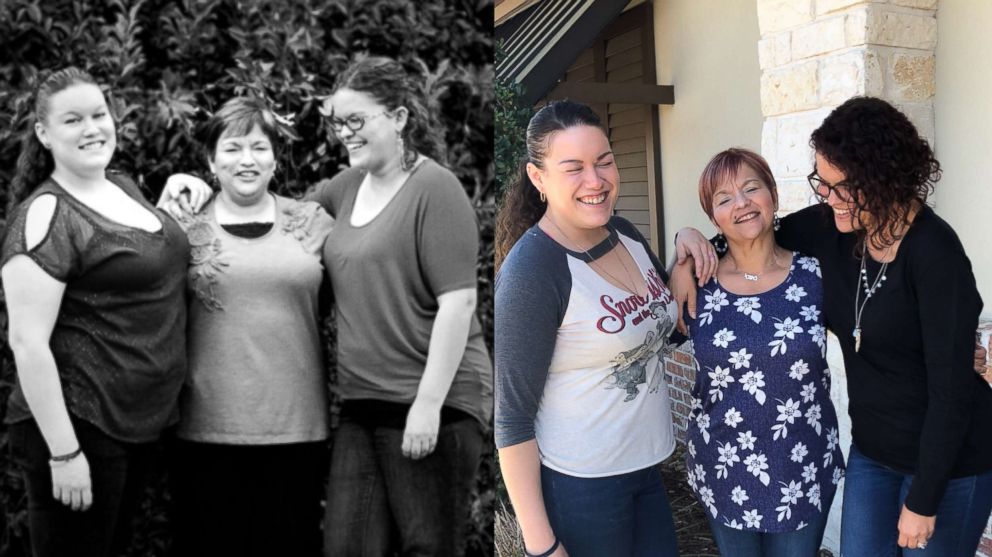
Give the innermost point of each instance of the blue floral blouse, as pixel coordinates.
(763, 451)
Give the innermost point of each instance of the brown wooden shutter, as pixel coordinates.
(623, 53)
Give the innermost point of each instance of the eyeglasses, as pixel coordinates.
(353, 122)
(822, 189)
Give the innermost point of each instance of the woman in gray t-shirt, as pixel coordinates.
(413, 370)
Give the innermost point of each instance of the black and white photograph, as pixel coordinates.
(247, 264)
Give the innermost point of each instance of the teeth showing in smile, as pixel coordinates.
(593, 199)
(247, 174)
(354, 145)
(92, 145)
(842, 212)
(745, 218)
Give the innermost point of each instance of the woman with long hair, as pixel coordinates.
(413, 370)
(94, 278)
(900, 294)
(583, 318)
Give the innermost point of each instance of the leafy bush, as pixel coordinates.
(510, 142)
(168, 64)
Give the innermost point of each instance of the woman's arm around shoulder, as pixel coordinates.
(806, 229)
(330, 192)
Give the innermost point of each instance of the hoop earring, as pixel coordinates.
(720, 244)
(544, 198)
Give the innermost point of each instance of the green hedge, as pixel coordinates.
(169, 63)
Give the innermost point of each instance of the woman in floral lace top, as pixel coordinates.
(255, 402)
(763, 455)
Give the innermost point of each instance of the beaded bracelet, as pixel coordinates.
(546, 553)
(66, 457)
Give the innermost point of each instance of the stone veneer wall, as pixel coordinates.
(815, 54)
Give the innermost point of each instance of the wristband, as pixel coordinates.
(546, 553)
(66, 457)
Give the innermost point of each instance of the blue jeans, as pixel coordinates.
(873, 499)
(627, 515)
(380, 502)
(800, 543)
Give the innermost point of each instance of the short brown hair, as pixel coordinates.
(237, 117)
(726, 165)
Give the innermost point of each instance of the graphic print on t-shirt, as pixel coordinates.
(630, 367)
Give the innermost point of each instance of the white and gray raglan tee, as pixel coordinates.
(579, 361)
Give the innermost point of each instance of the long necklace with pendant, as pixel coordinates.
(859, 307)
(592, 261)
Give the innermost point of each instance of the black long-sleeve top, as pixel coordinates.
(916, 403)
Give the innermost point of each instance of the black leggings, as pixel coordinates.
(118, 474)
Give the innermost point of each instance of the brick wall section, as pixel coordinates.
(680, 372)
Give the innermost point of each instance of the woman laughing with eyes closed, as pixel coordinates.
(583, 317)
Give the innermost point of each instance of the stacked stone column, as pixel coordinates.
(815, 54)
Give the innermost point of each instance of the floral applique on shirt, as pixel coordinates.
(206, 261)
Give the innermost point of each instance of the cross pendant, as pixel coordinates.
(857, 339)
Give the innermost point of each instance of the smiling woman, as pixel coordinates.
(413, 371)
(255, 402)
(93, 277)
(582, 322)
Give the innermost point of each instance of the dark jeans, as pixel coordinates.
(379, 501)
(247, 500)
(873, 498)
(118, 475)
(626, 515)
(799, 543)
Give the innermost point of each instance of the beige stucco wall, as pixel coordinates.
(963, 115)
(708, 50)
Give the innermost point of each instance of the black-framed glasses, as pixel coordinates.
(354, 122)
(822, 188)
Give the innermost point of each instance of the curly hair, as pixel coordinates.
(522, 206)
(389, 84)
(887, 166)
(35, 162)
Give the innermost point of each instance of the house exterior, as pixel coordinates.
(680, 80)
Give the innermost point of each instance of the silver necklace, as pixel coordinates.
(756, 276)
(596, 265)
(859, 307)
